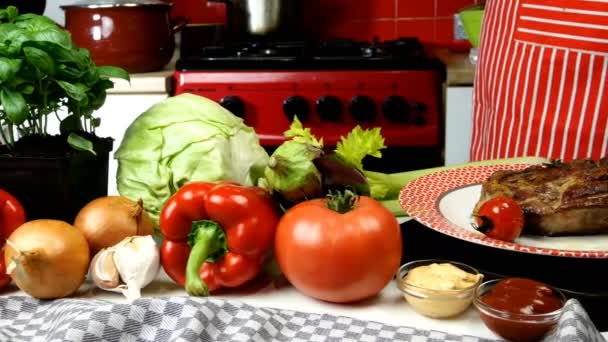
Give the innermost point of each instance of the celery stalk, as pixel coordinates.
(394, 207)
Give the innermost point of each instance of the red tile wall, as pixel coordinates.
(430, 20)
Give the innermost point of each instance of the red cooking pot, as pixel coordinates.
(135, 35)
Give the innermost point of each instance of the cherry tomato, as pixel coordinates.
(500, 218)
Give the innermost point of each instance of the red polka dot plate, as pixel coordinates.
(444, 201)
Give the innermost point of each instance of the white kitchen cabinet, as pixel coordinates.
(458, 123)
(116, 115)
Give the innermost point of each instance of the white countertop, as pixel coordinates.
(388, 307)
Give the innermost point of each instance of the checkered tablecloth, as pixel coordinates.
(208, 319)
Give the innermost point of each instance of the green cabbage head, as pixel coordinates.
(181, 139)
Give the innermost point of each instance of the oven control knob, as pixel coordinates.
(420, 107)
(396, 109)
(234, 104)
(362, 108)
(419, 120)
(329, 108)
(296, 106)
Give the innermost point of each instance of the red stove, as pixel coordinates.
(331, 87)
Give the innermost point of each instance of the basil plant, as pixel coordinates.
(42, 72)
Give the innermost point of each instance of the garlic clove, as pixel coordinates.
(103, 270)
(137, 260)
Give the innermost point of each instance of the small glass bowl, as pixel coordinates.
(436, 303)
(516, 326)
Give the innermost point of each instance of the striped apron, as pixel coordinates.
(540, 86)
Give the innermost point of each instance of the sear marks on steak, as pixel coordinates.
(558, 198)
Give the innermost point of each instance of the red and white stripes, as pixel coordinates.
(541, 80)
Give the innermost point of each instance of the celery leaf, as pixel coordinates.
(360, 143)
(303, 135)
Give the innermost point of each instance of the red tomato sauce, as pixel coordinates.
(522, 296)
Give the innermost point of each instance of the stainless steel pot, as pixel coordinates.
(261, 17)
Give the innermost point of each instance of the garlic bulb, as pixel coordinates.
(127, 267)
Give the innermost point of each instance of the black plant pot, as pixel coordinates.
(25, 6)
(56, 187)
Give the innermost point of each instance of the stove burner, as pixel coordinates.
(332, 54)
(258, 50)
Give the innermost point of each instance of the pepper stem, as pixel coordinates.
(342, 202)
(208, 243)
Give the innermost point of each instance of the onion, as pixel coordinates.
(106, 221)
(47, 258)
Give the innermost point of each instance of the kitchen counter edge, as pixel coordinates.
(145, 83)
(460, 70)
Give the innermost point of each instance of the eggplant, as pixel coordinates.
(337, 175)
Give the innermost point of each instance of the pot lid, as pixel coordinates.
(116, 3)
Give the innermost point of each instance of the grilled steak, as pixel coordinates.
(557, 199)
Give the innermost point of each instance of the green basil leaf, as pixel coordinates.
(59, 53)
(9, 68)
(26, 89)
(83, 58)
(97, 100)
(71, 123)
(77, 92)
(83, 103)
(5, 50)
(103, 85)
(40, 59)
(111, 71)
(67, 72)
(80, 143)
(14, 106)
(9, 14)
(11, 37)
(53, 35)
(91, 76)
(30, 73)
(3, 15)
(35, 23)
(26, 16)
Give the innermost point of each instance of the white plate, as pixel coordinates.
(444, 201)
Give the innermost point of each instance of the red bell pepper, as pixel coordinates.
(12, 215)
(216, 235)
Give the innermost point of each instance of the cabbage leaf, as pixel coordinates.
(182, 139)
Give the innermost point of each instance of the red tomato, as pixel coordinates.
(500, 218)
(12, 215)
(338, 257)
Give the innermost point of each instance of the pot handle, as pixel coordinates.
(178, 24)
